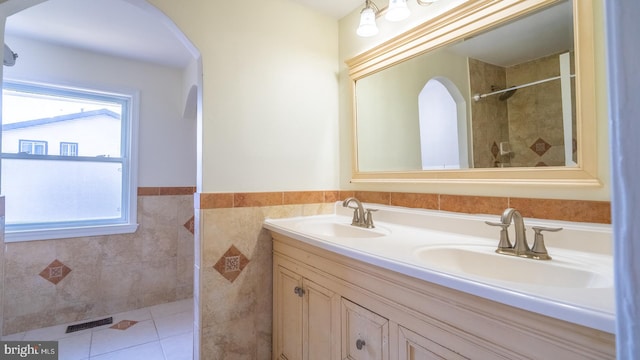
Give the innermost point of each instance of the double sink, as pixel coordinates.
(458, 251)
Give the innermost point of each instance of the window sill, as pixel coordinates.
(49, 234)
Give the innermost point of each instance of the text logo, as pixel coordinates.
(30, 350)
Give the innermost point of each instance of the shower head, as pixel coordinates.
(507, 94)
(495, 90)
(9, 56)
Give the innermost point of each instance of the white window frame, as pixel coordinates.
(33, 144)
(128, 222)
(67, 146)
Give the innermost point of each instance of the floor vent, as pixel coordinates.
(89, 325)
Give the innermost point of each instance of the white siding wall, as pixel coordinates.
(98, 135)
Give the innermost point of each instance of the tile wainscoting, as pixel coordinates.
(233, 291)
(60, 281)
(552, 209)
(106, 274)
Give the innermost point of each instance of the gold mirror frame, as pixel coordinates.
(463, 21)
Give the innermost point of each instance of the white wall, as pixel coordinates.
(167, 151)
(270, 93)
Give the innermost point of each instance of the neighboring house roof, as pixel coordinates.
(55, 119)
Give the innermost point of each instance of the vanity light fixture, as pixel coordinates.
(397, 10)
(368, 25)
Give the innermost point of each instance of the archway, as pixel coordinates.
(443, 125)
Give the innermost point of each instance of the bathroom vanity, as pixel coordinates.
(426, 284)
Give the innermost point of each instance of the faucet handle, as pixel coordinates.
(538, 243)
(504, 243)
(368, 218)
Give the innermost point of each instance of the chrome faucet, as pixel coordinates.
(361, 217)
(521, 246)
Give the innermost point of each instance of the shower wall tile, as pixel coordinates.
(489, 122)
(28, 258)
(109, 274)
(535, 112)
(531, 113)
(55, 272)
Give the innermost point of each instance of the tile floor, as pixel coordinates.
(160, 332)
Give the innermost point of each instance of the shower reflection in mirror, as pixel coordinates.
(528, 116)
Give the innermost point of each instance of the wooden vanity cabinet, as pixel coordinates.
(328, 306)
(306, 318)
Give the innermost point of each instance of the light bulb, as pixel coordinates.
(367, 25)
(397, 10)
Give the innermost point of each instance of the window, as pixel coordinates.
(34, 147)
(89, 187)
(68, 149)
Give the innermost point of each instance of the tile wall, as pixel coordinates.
(490, 125)
(233, 293)
(534, 132)
(233, 320)
(66, 280)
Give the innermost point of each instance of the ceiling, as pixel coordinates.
(549, 31)
(103, 26)
(337, 9)
(112, 23)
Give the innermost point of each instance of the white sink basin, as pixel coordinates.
(483, 262)
(339, 230)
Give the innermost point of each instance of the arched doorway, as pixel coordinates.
(185, 104)
(443, 125)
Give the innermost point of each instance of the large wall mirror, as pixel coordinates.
(490, 91)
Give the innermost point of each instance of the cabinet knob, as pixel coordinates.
(298, 291)
(360, 344)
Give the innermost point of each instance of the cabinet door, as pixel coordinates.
(287, 315)
(365, 334)
(416, 347)
(306, 318)
(321, 322)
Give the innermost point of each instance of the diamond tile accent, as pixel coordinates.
(495, 150)
(190, 225)
(541, 163)
(123, 325)
(55, 272)
(540, 147)
(231, 264)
